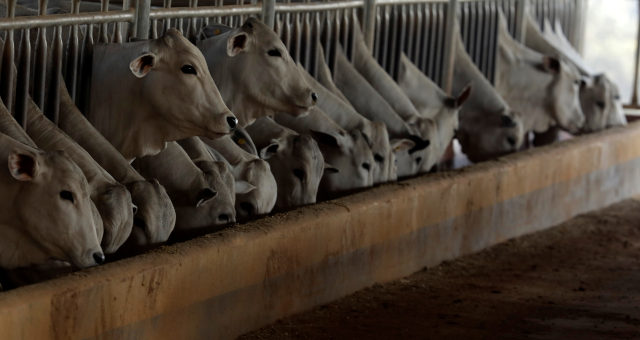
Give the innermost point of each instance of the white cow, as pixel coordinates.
(348, 152)
(256, 187)
(190, 192)
(155, 218)
(543, 88)
(341, 112)
(166, 93)
(432, 102)
(254, 71)
(295, 160)
(110, 197)
(46, 211)
(488, 127)
(219, 176)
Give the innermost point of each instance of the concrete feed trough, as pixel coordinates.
(223, 285)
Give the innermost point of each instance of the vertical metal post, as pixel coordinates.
(369, 22)
(521, 10)
(634, 95)
(143, 8)
(269, 12)
(449, 47)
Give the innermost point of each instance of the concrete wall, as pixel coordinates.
(223, 285)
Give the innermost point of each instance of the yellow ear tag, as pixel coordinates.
(241, 141)
(217, 31)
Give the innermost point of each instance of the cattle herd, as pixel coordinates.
(182, 137)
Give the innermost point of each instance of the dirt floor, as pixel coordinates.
(579, 280)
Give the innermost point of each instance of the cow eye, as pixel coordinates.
(188, 69)
(600, 104)
(366, 166)
(577, 82)
(66, 195)
(274, 53)
(511, 141)
(378, 157)
(299, 173)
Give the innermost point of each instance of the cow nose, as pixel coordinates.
(223, 218)
(232, 121)
(248, 208)
(314, 97)
(98, 257)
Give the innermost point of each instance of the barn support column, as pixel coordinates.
(143, 9)
(369, 22)
(449, 48)
(521, 10)
(269, 12)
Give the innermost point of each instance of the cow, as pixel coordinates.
(431, 102)
(348, 152)
(165, 94)
(259, 190)
(219, 175)
(543, 88)
(488, 126)
(155, 218)
(295, 160)
(368, 102)
(254, 71)
(186, 185)
(340, 111)
(46, 212)
(599, 97)
(111, 198)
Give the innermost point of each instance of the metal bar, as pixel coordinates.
(66, 19)
(203, 12)
(268, 12)
(143, 17)
(449, 47)
(369, 22)
(634, 95)
(8, 61)
(22, 86)
(319, 6)
(521, 9)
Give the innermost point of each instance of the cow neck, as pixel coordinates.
(72, 122)
(533, 102)
(18, 249)
(230, 150)
(483, 98)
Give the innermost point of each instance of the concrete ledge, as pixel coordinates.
(222, 285)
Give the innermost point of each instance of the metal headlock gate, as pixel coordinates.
(49, 39)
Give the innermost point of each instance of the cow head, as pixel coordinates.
(297, 165)
(117, 211)
(484, 137)
(155, 217)
(219, 176)
(377, 137)
(565, 91)
(260, 68)
(256, 188)
(350, 154)
(65, 229)
(175, 82)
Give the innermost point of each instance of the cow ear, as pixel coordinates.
(551, 64)
(269, 150)
(330, 169)
(23, 166)
(398, 145)
(325, 138)
(143, 64)
(243, 187)
(204, 196)
(463, 96)
(237, 43)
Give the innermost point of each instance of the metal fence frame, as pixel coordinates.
(44, 45)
